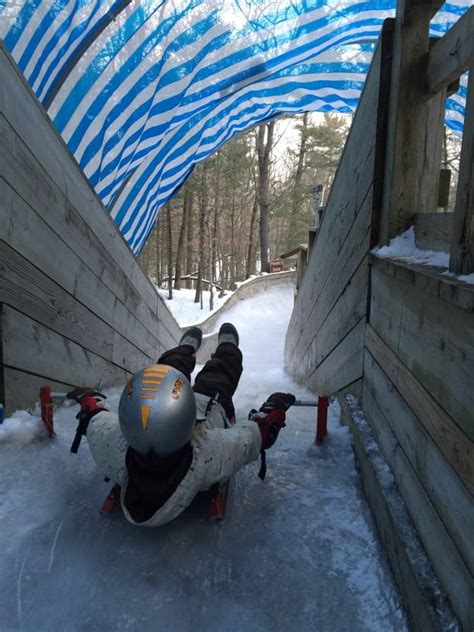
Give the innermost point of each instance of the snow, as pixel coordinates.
(404, 247)
(186, 311)
(298, 551)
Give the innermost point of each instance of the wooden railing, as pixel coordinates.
(423, 75)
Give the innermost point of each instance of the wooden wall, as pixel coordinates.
(75, 306)
(418, 399)
(325, 340)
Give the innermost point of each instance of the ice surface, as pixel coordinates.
(296, 552)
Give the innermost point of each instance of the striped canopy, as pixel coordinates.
(142, 90)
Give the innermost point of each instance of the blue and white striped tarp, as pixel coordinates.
(142, 90)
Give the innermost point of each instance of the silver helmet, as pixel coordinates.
(157, 410)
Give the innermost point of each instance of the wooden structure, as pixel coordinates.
(300, 256)
(395, 341)
(75, 308)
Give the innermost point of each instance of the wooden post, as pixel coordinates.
(428, 189)
(462, 246)
(407, 118)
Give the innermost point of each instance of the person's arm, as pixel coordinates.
(222, 452)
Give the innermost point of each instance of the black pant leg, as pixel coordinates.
(221, 375)
(182, 358)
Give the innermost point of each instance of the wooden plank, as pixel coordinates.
(433, 231)
(421, 593)
(447, 563)
(350, 192)
(414, 324)
(324, 259)
(407, 117)
(33, 126)
(440, 482)
(326, 309)
(349, 309)
(31, 347)
(341, 368)
(385, 77)
(462, 246)
(356, 166)
(31, 292)
(429, 279)
(40, 192)
(456, 447)
(31, 237)
(449, 57)
(22, 390)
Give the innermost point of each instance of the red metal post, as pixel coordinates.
(322, 419)
(46, 403)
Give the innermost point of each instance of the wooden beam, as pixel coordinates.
(449, 57)
(407, 118)
(462, 246)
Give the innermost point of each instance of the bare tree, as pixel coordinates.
(264, 143)
(170, 250)
(180, 246)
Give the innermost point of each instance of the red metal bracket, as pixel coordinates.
(322, 419)
(46, 404)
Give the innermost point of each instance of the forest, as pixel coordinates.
(251, 201)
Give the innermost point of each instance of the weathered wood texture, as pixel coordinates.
(462, 247)
(407, 139)
(433, 231)
(433, 339)
(324, 343)
(418, 385)
(438, 503)
(449, 57)
(426, 604)
(87, 311)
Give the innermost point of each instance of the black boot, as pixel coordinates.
(192, 337)
(228, 333)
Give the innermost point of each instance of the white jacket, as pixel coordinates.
(218, 452)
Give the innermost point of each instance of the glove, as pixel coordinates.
(280, 401)
(269, 425)
(91, 402)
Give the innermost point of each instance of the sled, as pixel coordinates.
(111, 500)
(219, 494)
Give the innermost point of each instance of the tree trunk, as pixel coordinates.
(296, 198)
(190, 237)
(180, 246)
(170, 251)
(250, 267)
(158, 270)
(264, 148)
(202, 232)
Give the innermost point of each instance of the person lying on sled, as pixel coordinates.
(170, 441)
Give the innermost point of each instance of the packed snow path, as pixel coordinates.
(296, 552)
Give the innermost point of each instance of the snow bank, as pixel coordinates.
(186, 311)
(403, 247)
(22, 428)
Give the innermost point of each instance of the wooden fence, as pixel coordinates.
(75, 308)
(400, 337)
(325, 341)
